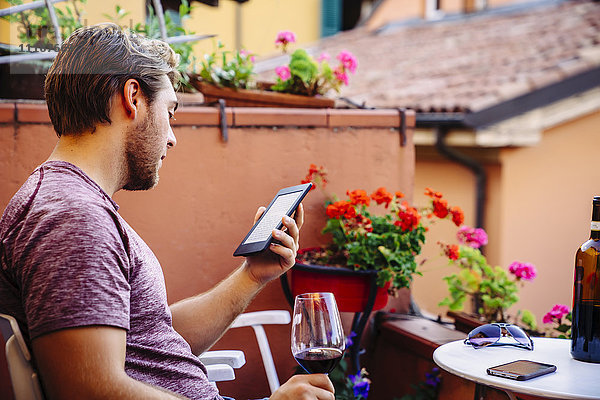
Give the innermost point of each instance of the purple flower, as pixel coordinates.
(284, 38)
(349, 341)
(524, 271)
(348, 60)
(433, 379)
(472, 237)
(283, 72)
(361, 385)
(557, 312)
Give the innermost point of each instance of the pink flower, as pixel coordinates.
(341, 76)
(324, 57)
(247, 54)
(284, 38)
(472, 237)
(557, 312)
(283, 72)
(348, 60)
(523, 270)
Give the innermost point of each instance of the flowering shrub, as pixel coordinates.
(524, 271)
(305, 76)
(493, 288)
(219, 69)
(387, 242)
(561, 328)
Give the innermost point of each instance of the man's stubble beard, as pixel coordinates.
(142, 164)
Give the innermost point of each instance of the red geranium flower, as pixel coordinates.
(433, 194)
(408, 217)
(440, 208)
(458, 217)
(381, 196)
(358, 197)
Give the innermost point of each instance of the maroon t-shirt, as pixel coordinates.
(68, 259)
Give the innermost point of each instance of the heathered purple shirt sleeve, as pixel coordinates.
(69, 260)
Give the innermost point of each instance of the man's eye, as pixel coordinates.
(172, 116)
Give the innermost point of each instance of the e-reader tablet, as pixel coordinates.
(285, 203)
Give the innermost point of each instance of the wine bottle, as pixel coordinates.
(585, 329)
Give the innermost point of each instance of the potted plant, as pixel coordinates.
(303, 82)
(492, 290)
(378, 246)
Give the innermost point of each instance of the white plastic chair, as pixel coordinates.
(220, 364)
(24, 379)
(256, 320)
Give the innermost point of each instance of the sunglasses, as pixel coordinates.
(490, 334)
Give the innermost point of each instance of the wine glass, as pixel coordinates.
(318, 341)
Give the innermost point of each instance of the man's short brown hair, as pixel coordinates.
(93, 65)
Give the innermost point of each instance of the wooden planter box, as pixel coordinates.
(259, 98)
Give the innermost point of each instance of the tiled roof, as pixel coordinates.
(473, 62)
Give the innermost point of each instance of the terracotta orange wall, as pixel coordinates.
(209, 192)
(537, 210)
(546, 201)
(456, 183)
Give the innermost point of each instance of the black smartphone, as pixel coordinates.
(521, 370)
(285, 202)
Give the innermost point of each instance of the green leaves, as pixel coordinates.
(307, 77)
(387, 249)
(36, 29)
(492, 285)
(227, 69)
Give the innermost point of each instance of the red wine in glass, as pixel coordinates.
(318, 341)
(319, 360)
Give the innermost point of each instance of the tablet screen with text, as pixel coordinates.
(284, 203)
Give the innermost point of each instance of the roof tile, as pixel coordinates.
(470, 62)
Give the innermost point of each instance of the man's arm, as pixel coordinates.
(203, 319)
(89, 363)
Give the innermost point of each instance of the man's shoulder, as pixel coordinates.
(54, 193)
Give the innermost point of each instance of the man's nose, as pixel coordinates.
(171, 139)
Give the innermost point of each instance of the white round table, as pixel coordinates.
(572, 380)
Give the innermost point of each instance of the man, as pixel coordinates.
(87, 292)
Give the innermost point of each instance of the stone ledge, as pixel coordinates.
(243, 116)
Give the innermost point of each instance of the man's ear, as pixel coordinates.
(132, 98)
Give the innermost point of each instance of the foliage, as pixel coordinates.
(495, 288)
(387, 243)
(347, 386)
(427, 389)
(35, 26)
(560, 327)
(305, 76)
(219, 69)
(151, 29)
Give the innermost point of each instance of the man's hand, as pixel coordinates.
(280, 256)
(305, 387)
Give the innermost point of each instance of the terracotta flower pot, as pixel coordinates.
(350, 288)
(259, 98)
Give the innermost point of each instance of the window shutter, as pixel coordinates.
(331, 17)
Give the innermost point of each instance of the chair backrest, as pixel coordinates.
(256, 320)
(24, 383)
